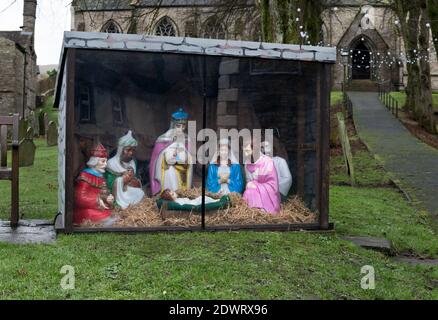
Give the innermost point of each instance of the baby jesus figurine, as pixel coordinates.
(129, 180)
(127, 189)
(170, 195)
(224, 177)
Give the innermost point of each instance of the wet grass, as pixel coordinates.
(234, 265)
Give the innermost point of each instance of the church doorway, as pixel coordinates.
(361, 62)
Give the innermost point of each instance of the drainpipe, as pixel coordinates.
(23, 51)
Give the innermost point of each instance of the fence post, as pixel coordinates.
(396, 109)
(386, 99)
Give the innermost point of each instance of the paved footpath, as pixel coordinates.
(411, 161)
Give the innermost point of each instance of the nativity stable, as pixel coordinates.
(176, 134)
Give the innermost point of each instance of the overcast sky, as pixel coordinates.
(52, 18)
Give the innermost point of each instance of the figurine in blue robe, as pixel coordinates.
(224, 173)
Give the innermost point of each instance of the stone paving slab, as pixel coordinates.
(411, 161)
(28, 231)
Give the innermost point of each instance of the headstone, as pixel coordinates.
(42, 124)
(27, 149)
(22, 128)
(33, 122)
(52, 134)
(46, 123)
(29, 133)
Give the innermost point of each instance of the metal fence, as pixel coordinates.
(389, 101)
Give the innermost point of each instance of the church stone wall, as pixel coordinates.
(341, 27)
(12, 62)
(8, 69)
(94, 21)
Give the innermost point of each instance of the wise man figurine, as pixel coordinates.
(121, 174)
(93, 199)
(171, 166)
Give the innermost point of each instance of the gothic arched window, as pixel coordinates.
(165, 27)
(111, 27)
(213, 29)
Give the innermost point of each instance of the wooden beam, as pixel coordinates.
(69, 129)
(260, 228)
(7, 120)
(5, 174)
(301, 139)
(325, 147)
(3, 146)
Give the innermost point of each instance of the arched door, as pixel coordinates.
(361, 62)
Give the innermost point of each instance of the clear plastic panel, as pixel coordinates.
(163, 121)
(133, 109)
(272, 106)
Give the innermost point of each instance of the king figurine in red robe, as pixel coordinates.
(93, 200)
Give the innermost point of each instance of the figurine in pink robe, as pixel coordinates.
(262, 183)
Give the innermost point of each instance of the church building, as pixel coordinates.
(18, 77)
(366, 33)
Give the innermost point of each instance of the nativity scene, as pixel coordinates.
(109, 193)
(129, 156)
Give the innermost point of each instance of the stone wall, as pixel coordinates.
(180, 16)
(8, 83)
(12, 64)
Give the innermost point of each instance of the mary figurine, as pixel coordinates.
(170, 166)
(224, 172)
(262, 189)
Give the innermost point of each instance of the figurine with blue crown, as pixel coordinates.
(170, 166)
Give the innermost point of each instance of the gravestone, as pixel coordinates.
(46, 123)
(30, 133)
(52, 134)
(22, 128)
(34, 123)
(27, 149)
(42, 124)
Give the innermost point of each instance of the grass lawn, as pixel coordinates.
(235, 265)
(401, 98)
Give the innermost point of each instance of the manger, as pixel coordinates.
(175, 134)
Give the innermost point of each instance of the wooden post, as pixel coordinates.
(301, 129)
(345, 142)
(390, 105)
(15, 190)
(324, 147)
(69, 127)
